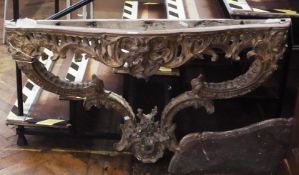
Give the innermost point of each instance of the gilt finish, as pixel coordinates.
(141, 53)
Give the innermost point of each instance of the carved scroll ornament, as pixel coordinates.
(141, 53)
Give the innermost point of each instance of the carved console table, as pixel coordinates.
(141, 48)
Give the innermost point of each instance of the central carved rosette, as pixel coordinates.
(146, 139)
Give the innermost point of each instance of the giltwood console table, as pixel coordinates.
(140, 48)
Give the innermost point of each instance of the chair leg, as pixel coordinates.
(4, 18)
(22, 141)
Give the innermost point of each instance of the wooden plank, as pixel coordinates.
(228, 152)
(130, 10)
(191, 9)
(240, 5)
(175, 9)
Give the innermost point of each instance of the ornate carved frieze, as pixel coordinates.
(144, 51)
(141, 48)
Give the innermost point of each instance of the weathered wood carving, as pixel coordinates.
(147, 139)
(229, 152)
(143, 51)
(141, 48)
